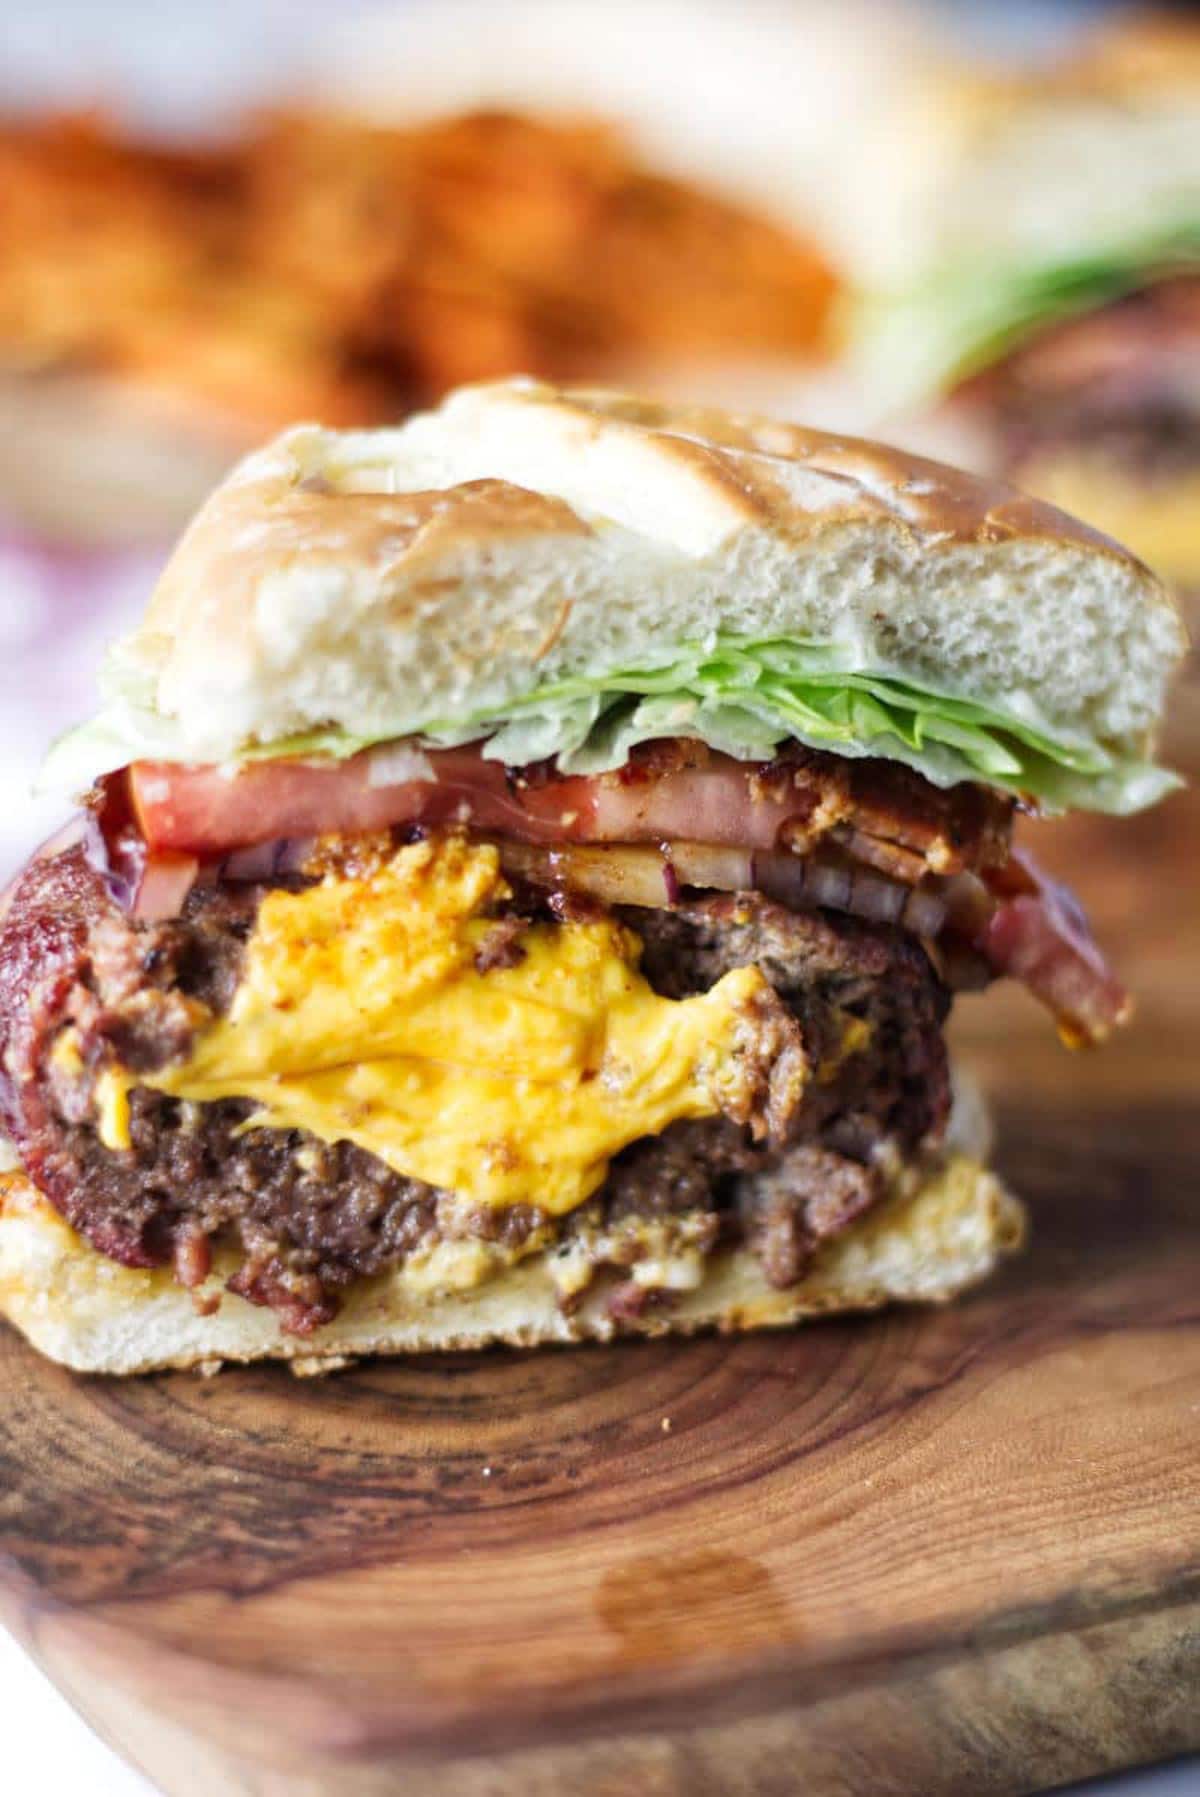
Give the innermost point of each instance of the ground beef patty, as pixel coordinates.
(310, 1217)
(1120, 382)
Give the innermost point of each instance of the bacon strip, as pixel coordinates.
(1039, 935)
(952, 829)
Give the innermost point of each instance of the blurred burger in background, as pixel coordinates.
(1041, 282)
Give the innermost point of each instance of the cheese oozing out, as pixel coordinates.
(362, 1016)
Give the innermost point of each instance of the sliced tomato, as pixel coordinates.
(669, 791)
(207, 811)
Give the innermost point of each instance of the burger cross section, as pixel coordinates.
(527, 863)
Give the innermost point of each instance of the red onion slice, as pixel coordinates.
(293, 855)
(827, 883)
(164, 885)
(257, 863)
(654, 879)
(877, 899)
(924, 914)
(267, 860)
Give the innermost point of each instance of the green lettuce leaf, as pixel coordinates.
(746, 697)
(964, 316)
(738, 695)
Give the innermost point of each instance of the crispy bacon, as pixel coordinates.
(952, 829)
(1039, 935)
(897, 862)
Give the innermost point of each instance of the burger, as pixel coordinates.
(1041, 279)
(528, 860)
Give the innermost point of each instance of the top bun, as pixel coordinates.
(387, 581)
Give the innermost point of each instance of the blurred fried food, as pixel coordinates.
(321, 266)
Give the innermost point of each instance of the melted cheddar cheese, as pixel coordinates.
(1158, 519)
(362, 1015)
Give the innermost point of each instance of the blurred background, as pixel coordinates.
(970, 228)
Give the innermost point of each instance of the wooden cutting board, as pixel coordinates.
(951, 1552)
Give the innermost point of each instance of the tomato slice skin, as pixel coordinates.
(209, 811)
(204, 811)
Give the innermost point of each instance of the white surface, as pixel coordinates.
(58, 610)
(1180, 1780)
(48, 1751)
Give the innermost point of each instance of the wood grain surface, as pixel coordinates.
(948, 1552)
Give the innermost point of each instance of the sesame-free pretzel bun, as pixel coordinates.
(384, 582)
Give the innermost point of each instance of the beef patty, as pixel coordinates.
(310, 1217)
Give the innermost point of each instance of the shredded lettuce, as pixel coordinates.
(739, 695)
(963, 316)
(746, 697)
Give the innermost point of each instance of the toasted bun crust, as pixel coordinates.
(387, 580)
(94, 1316)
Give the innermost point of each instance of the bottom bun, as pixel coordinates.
(923, 1245)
